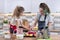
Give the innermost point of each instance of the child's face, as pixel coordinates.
(26, 23)
(41, 10)
(21, 13)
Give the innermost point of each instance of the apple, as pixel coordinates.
(31, 34)
(35, 28)
(27, 34)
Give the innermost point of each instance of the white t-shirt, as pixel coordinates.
(48, 18)
(19, 20)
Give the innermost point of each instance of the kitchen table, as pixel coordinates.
(53, 37)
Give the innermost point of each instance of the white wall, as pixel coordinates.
(11, 4)
(1, 6)
(29, 5)
(54, 5)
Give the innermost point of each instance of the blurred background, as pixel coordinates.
(31, 9)
(7, 6)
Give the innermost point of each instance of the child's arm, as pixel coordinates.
(24, 26)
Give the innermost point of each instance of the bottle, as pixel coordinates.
(20, 34)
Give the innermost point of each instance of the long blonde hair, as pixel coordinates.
(18, 10)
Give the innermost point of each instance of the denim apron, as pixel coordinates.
(41, 24)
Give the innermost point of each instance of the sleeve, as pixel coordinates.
(13, 21)
(37, 17)
(50, 18)
(22, 18)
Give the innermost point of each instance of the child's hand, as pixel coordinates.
(42, 30)
(32, 28)
(29, 29)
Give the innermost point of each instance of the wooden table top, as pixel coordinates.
(26, 38)
(53, 37)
